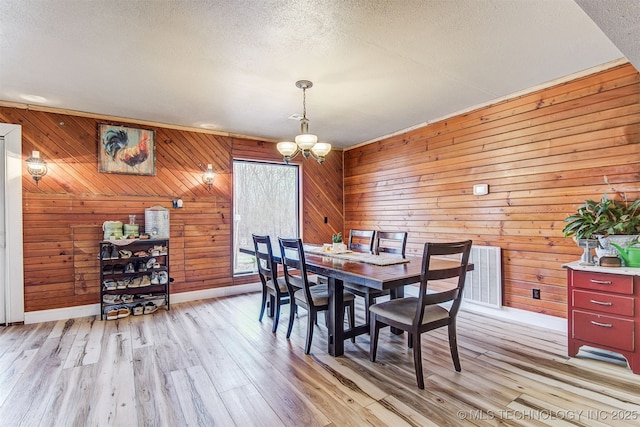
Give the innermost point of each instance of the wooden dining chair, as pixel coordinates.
(422, 314)
(361, 241)
(312, 297)
(385, 242)
(273, 286)
(391, 242)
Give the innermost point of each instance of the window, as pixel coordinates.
(265, 201)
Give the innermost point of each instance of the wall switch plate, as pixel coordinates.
(536, 293)
(480, 189)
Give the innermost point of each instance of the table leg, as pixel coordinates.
(393, 294)
(336, 317)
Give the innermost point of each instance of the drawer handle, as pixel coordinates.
(601, 282)
(600, 302)
(604, 325)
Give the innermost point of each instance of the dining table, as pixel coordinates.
(377, 272)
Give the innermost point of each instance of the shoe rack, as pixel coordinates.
(134, 277)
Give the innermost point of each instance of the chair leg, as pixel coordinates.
(352, 318)
(312, 319)
(453, 346)
(293, 309)
(417, 360)
(373, 335)
(272, 304)
(410, 340)
(276, 317)
(264, 304)
(368, 302)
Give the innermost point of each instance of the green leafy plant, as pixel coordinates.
(337, 238)
(605, 217)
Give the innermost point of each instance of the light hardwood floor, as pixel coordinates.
(212, 363)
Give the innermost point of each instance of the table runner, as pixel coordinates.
(383, 259)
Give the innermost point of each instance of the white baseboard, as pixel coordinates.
(94, 309)
(520, 316)
(513, 314)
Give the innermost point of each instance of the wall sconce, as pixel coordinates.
(36, 167)
(208, 175)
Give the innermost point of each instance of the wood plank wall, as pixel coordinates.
(542, 155)
(64, 214)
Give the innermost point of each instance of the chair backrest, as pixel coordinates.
(462, 249)
(293, 263)
(267, 267)
(391, 242)
(361, 240)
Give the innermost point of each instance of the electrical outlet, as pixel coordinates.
(536, 293)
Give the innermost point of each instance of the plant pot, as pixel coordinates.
(619, 239)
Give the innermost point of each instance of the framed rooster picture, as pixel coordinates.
(127, 150)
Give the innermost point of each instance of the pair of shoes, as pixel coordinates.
(163, 250)
(141, 254)
(150, 307)
(146, 281)
(126, 298)
(107, 269)
(125, 254)
(111, 299)
(135, 282)
(109, 285)
(163, 277)
(105, 253)
(130, 268)
(114, 252)
(121, 284)
(118, 269)
(123, 311)
(138, 309)
(150, 263)
(112, 313)
(154, 278)
(142, 266)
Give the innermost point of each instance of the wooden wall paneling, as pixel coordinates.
(542, 155)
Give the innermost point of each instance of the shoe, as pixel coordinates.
(154, 278)
(135, 282)
(118, 269)
(163, 250)
(109, 299)
(125, 254)
(142, 266)
(141, 254)
(121, 284)
(114, 252)
(150, 307)
(163, 277)
(105, 253)
(109, 285)
(107, 269)
(123, 311)
(138, 309)
(112, 313)
(130, 268)
(150, 263)
(145, 281)
(126, 298)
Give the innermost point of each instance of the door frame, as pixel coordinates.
(14, 259)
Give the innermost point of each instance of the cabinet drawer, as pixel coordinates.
(606, 330)
(606, 303)
(603, 282)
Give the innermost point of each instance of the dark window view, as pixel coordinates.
(265, 202)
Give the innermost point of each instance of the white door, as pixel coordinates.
(11, 253)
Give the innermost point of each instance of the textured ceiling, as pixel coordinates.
(377, 66)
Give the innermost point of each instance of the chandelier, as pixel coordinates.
(306, 143)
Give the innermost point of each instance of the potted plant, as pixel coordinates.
(607, 220)
(338, 246)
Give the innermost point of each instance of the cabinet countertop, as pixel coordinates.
(627, 271)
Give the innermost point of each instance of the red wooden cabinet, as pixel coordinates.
(603, 310)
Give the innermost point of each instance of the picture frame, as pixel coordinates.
(126, 150)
